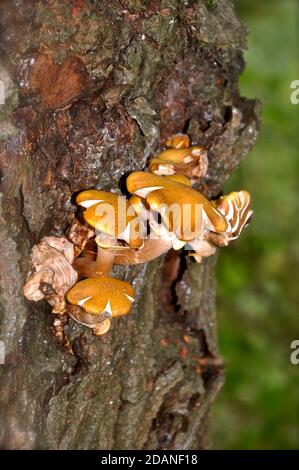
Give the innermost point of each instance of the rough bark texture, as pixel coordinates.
(92, 90)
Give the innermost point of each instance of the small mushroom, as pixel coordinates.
(114, 219)
(151, 248)
(163, 239)
(235, 207)
(111, 215)
(178, 141)
(103, 295)
(191, 162)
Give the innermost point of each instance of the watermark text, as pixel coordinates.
(294, 356)
(294, 97)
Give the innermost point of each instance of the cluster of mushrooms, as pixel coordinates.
(132, 229)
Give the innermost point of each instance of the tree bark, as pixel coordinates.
(92, 89)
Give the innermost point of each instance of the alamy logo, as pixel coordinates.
(2, 352)
(294, 356)
(295, 94)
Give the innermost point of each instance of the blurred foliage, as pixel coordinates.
(258, 303)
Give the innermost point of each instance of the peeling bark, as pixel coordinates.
(91, 92)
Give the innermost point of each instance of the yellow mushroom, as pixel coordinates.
(114, 219)
(112, 215)
(235, 207)
(103, 295)
(178, 141)
(180, 155)
(176, 202)
(90, 197)
(191, 162)
(152, 247)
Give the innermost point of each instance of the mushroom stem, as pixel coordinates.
(103, 263)
(100, 324)
(105, 258)
(152, 248)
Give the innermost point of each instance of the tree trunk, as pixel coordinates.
(92, 89)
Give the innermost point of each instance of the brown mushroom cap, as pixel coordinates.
(178, 141)
(191, 162)
(161, 191)
(112, 215)
(179, 179)
(103, 294)
(180, 155)
(92, 196)
(235, 207)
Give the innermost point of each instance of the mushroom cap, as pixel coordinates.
(161, 191)
(112, 215)
(191, 162)
(180, 155)
(236, 208)
(178, 141)
(91, 197)
(179, 179)
(104, 294)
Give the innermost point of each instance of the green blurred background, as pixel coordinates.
(258, 302)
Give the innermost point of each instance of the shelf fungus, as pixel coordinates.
(163, 211)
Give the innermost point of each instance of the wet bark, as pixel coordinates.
(91, 91)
